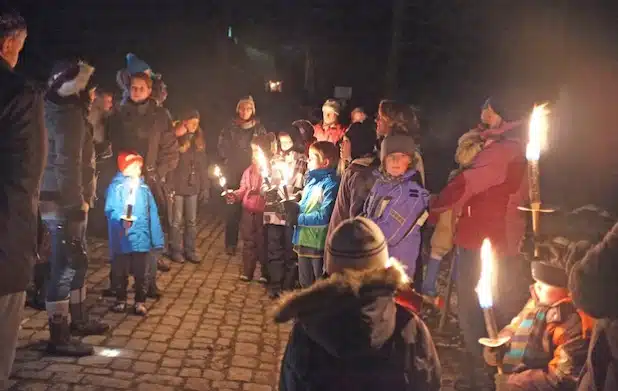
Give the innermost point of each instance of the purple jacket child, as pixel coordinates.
(399, 207)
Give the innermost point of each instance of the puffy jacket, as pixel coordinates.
(601, 370)
(146, 129)
(349, 334)
(249, 190)
(70, 177)
(316, 207)
(235, 148)
(23, 153)
(397, 205)
(333, 133)
(486, 196)
(145, 234)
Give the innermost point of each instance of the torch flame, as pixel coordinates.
(537, 132)
(217, 171)
(222, 181)
(133, 185)
(483, 289)
(262, 163)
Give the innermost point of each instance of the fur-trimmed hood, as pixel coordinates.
(347, 314)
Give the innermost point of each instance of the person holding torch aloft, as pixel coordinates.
(486, 197)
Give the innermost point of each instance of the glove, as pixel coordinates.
(501, 381)
(493, 355)
(292, 210)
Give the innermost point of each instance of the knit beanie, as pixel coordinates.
(246, 100)
(136, 65)
(356, 244)
(70, 77)
(509, 107)
(189, 114)
(125, 159)
(394, 143)
(593, 280)
(305, 128)
(332, 105)
(362, 136)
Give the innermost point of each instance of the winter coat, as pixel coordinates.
(547, 347)
(487, 195)
(69, 180)
(333, 133)
(235, 148)
(349, 334)
(398, 206)
(316, 206)
(274, 212)
(249, 190)
(601, 370)
(146, 129)
(23, 153)
(96, 118)
(145, 234)
(191, 175)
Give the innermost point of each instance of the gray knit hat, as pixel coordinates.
(356, 244)
(394, 143)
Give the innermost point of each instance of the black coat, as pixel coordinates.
(235, 149)
(146, 129)
(23, 153)
(601, 370)
(350, 335)
(69, 177)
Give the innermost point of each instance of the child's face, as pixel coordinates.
(285, 141)
(133, 170)
(315, 160)
(548, 294)
(397, 164)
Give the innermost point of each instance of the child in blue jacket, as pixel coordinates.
(398, 202)
(134, 229)
(312, 215)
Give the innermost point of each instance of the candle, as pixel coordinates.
(131, 198)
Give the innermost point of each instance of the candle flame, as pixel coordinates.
(217, 171)
(133, 186)
(222, 181)
(483, 289)
(260, 157)
(537, 132)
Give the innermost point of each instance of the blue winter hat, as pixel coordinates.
(135, 64)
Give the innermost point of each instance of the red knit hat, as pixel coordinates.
(126, 158)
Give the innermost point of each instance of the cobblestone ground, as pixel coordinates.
(209, 332)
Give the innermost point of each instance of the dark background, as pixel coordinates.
(452, 54)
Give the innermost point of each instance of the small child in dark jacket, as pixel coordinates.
(288, 171)
(548, 340)
(134, 229)
(312, 215)
(398, 202)
(252, 220)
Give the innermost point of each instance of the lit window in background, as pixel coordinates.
(274, 86)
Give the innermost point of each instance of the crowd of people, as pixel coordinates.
(334, 217)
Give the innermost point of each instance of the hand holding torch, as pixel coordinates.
(222, 181)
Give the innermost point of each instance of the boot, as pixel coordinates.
(60, 342)
(81, 325)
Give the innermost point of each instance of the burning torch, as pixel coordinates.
(222, 181)
(537, 134)
(130, 202)
(483, 290)
(285, 172)
(263, 164)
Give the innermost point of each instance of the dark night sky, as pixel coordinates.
(454, 53)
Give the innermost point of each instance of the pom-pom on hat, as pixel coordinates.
(126, 158)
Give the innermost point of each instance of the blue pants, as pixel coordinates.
(63, 277)
(511, 294)
(184, 219)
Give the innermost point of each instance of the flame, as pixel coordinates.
(217, 171)
(222, 181)
(133, 186)
(285, 171)
(483, 289)
(262, 163)
(537, 132)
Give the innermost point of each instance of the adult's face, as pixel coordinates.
(382, 125)
(140, 90)
(490, 118)
(345, 149)
(245, 111)
(12, 46)
(329, 117)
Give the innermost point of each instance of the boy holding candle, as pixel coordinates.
(288, 172)
(312, 215)
(549, 338)
(134, 230)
